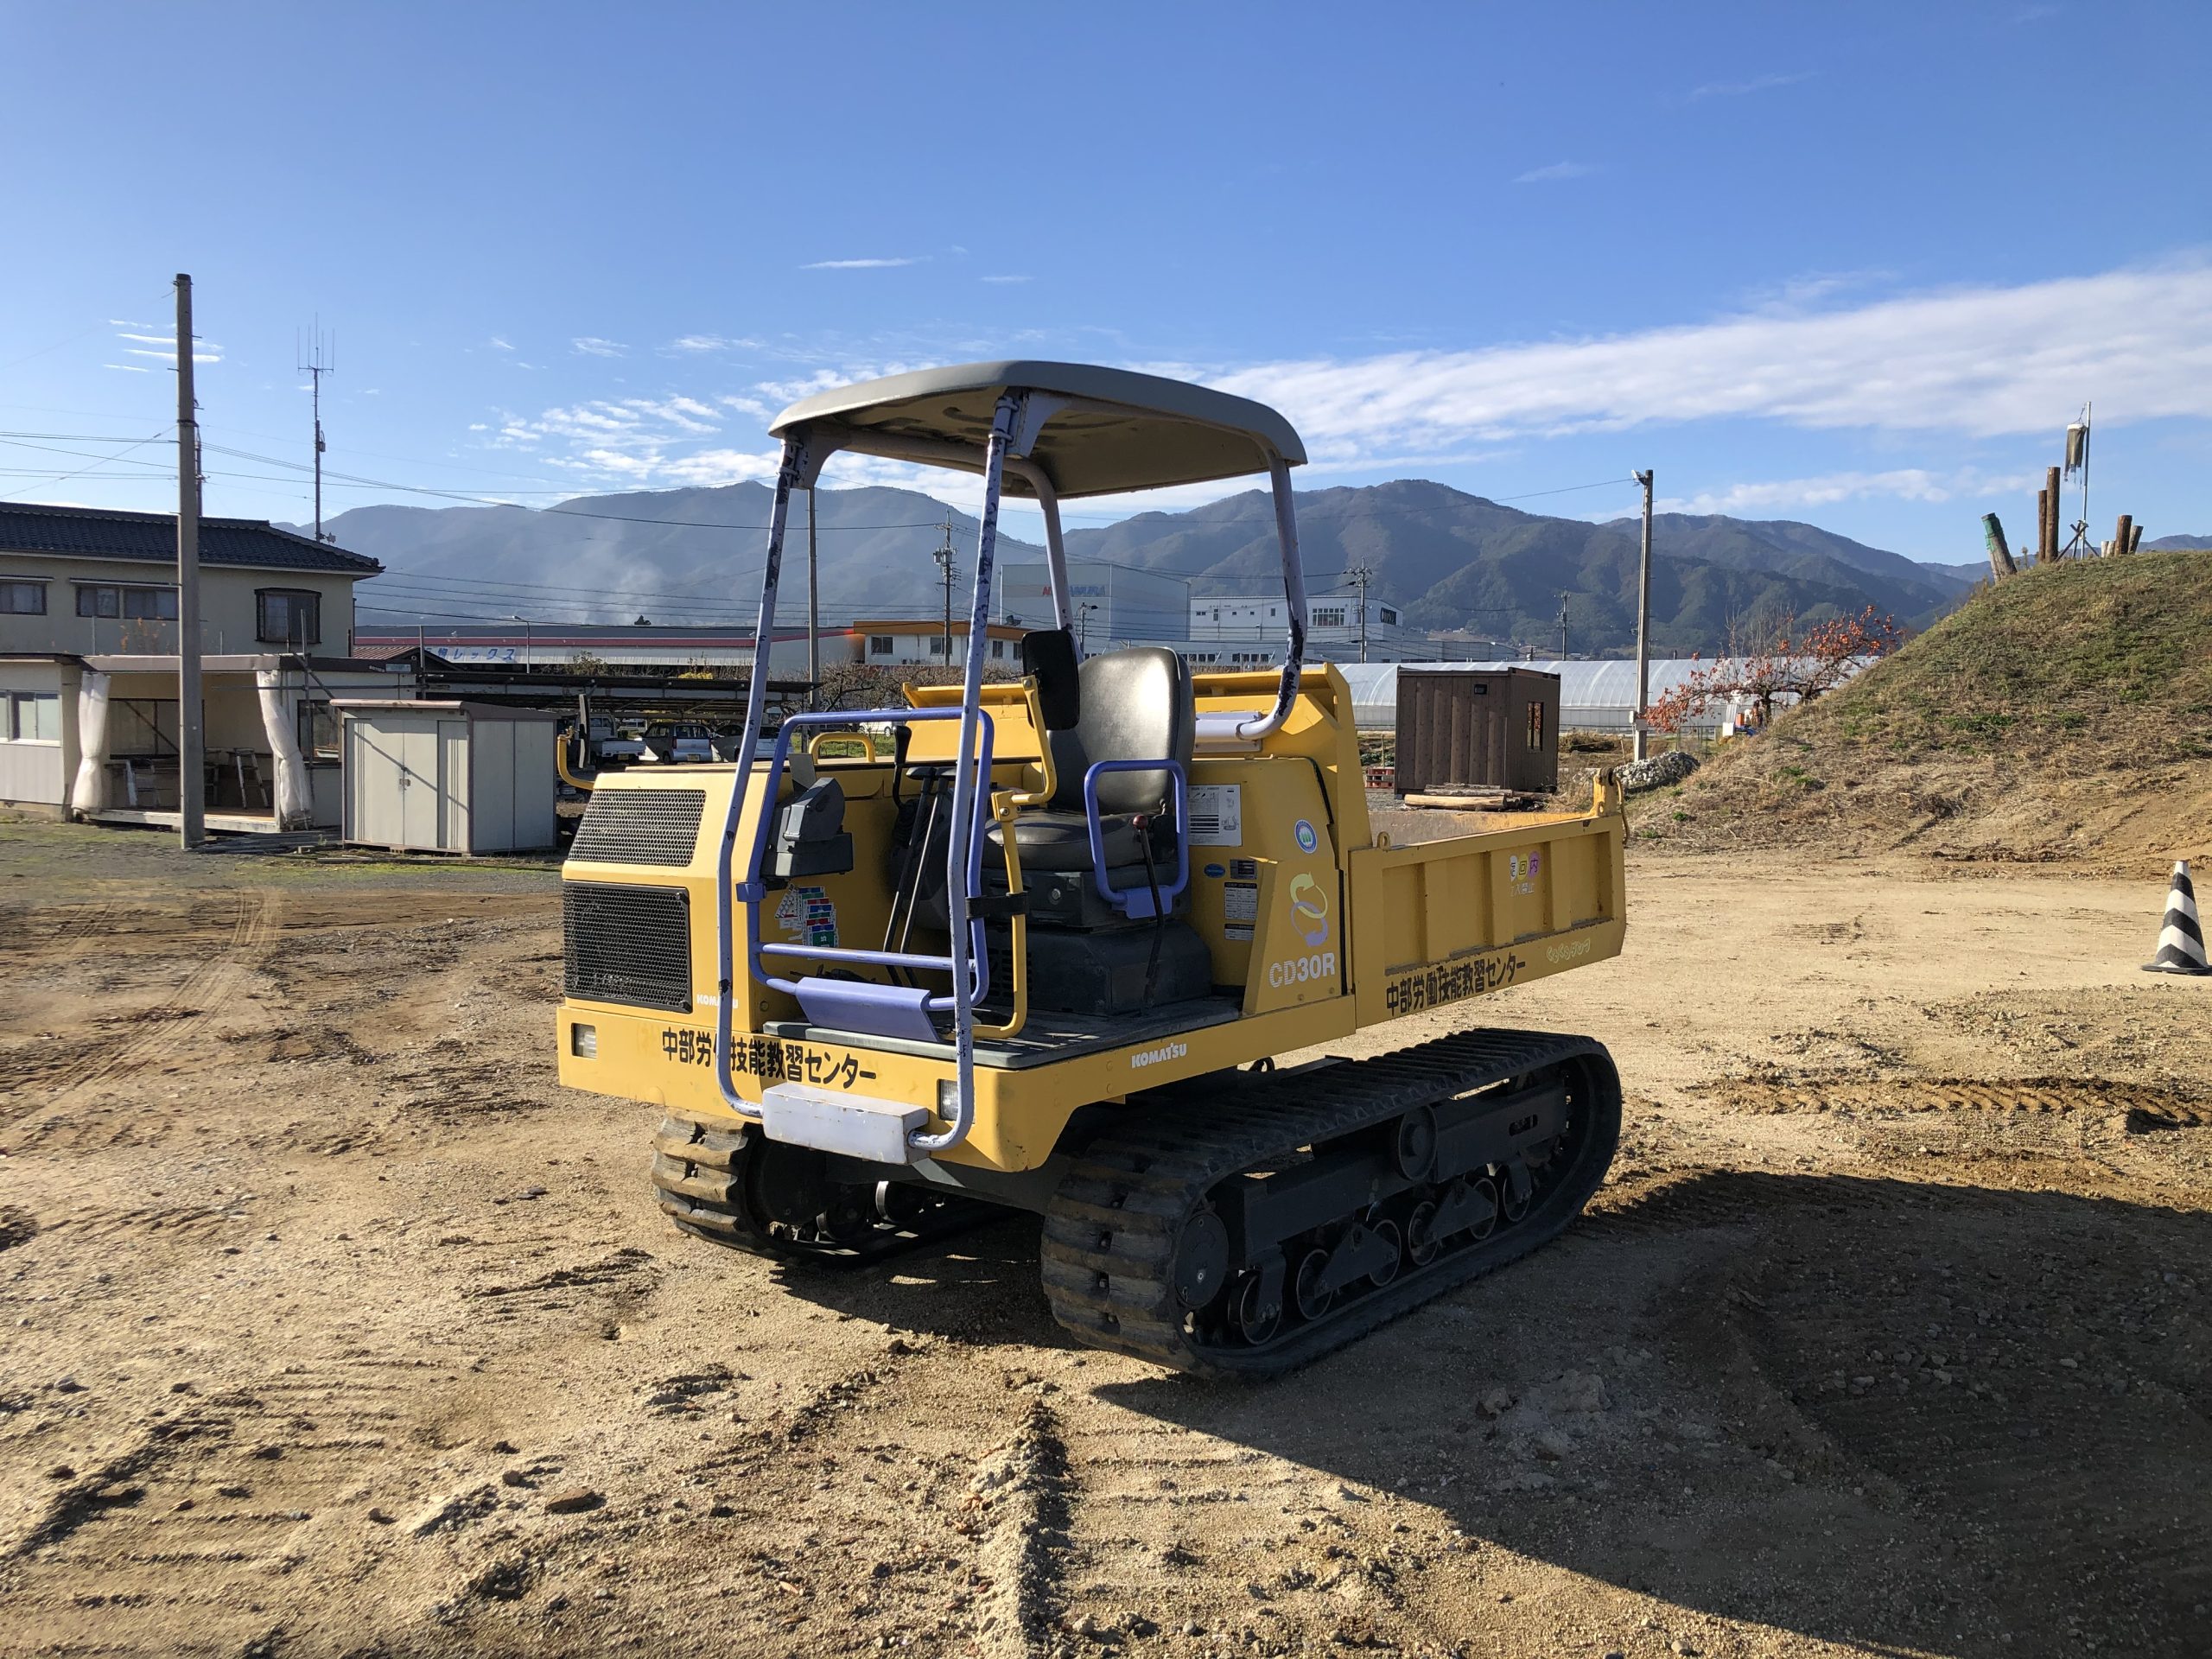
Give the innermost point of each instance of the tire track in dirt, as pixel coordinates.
(1020, 1498)
(207, 988)
(2033, 1096)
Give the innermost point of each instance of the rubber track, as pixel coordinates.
(1137, 1185)
(699, 1180)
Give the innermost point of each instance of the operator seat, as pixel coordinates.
(1129, 705)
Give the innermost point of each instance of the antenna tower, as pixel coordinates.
(321, 359)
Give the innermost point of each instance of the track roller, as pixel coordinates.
(1308, 1208)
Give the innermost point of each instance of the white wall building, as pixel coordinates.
(1239, 631)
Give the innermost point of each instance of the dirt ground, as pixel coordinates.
(331, 1325)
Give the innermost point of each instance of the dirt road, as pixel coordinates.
(331, 1325)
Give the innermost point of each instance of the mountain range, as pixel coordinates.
(1450, 561)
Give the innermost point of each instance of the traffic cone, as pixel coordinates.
(2181, 935)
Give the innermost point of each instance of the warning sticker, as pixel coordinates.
(1217, 815)
(1240, 908)
(808, 915)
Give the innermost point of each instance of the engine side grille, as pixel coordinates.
(640, 826)
(628, 945)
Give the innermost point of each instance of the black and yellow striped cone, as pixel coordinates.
(2181, 935)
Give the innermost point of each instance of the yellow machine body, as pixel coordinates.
(1322, 928)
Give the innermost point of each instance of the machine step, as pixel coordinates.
(859, 1126)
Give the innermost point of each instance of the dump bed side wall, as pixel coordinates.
(1443, 920)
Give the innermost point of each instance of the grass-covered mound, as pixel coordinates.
(2064, 714)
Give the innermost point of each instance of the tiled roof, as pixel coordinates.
(95, 532)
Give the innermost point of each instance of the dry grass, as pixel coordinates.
(2063, 715)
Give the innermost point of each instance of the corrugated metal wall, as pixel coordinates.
(1477, 727)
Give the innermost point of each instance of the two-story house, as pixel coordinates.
(85, 581)
(88, 661)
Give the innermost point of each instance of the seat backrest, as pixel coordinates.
(1048, 656)
(1136, 706)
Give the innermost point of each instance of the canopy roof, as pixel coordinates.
(1119, 430)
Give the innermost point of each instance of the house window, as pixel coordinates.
(879, 644)
(135, 604)
(1389, 617)
(318, 732)
(1535, 726)
(22, 599)
(288, 616)
(33, 717)
(1330, 617)
(998, 648)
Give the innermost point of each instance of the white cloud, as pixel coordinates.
(1011, 277)
(128, 368)
(151, 335)
(592, 346)
(1983, 361)
(1556, 170)
(1903, 484)
(1743, 88)
(498, 345)
(712, 467)
(700, 343)
(866, 264)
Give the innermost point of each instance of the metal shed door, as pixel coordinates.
(416, 742)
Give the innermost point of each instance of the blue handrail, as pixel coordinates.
(750, 891)
(1137, 902)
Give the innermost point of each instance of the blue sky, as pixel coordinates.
(1853, 264)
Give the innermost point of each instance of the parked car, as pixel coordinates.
(679, 741)
(615, 746)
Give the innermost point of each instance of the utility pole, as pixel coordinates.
(1361, 576)
(316, 368)
(1644, 623)
(1562, 627)
(191, 770)
(813, 611)
(944, 557)
(1082, 625)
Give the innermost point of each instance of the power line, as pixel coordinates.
(98, 461)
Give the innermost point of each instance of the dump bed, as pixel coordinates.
(1440, 921)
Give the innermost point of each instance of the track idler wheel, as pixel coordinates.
(1201, 1260)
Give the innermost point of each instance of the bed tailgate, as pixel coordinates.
(1442, 921)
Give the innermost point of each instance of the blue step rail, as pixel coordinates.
(895, 1009)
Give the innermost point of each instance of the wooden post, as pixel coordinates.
(2135, 539)
(2043, 525)
(2000, 556)
(2123, 538)
(2050, 523)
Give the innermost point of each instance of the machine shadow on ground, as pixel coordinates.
(978, 1287)
(1900, 1414)
(1891, 1413)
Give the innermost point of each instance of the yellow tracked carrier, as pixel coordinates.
(1035, 944)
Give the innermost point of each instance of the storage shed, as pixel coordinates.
(448, 777)
(1463, 727)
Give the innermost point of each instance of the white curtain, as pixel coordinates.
(89, 793)
(294, 799)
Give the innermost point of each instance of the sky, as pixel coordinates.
(1857, 265)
